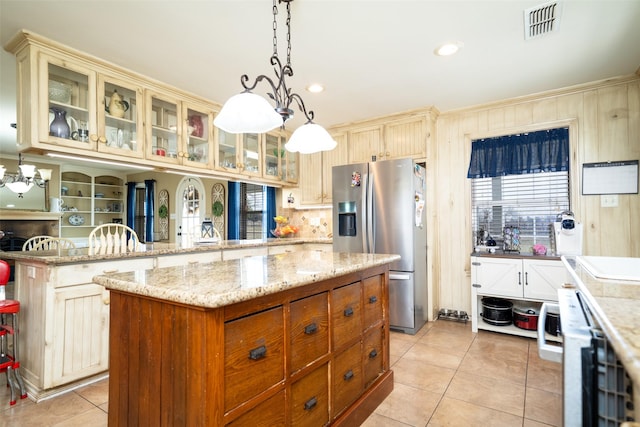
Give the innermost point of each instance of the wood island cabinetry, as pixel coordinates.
(312, 355)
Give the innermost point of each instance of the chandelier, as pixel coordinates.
(251, 113)
(23, 180)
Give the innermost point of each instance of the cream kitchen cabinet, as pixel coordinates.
(64, 321)
(73, 97)
(239, 153)
(522, 280)
(279, 164)
(399, 137)
(91, 197)
(315, 180)
(179, 132)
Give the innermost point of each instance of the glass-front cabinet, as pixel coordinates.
(86, 110)
(119, 117)
(279, 164)
(180, 132)
(68, 104)
(239, 153)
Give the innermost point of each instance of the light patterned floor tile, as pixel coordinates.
(423, 376)
(456, 413)
(418, 413)
(543, 406)
(494, 393)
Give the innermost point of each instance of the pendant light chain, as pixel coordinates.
(275, 28)
(289, 33)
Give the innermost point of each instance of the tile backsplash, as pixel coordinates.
(312, 223)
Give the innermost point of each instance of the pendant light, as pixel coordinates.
(251, 113)
(24, 179)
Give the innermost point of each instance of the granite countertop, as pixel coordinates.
(65, 256)
(615, 299)
(221, 283)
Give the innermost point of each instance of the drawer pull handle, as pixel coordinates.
(373, 299)
(373, 353)
(310, 404)
(348, 375)
(348, 312)
(109, 271)
(311, 329)
(258, 353)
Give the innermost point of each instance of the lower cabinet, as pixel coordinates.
(526, 281)
(302, 357)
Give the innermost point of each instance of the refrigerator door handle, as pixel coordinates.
(370, 246)
(397, 276)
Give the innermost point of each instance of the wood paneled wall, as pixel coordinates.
(604, 121)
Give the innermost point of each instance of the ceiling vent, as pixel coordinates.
(541, 20)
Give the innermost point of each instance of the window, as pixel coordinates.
(530, 202)
(252, 211)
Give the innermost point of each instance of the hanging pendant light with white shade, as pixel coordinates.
(251, 113)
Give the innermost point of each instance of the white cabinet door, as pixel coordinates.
(543, 278)
(79, 344)
(497, 276)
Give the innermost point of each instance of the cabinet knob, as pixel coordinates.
(93, 137)
(258, 353)
(310, 404)
(102, 139)
(373, 299)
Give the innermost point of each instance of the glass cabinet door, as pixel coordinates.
(291, 167)
(68, 116)
(198, 147)
(119, 118)
(227, 151)
(272, 157)
(163, 117)
(251, 153)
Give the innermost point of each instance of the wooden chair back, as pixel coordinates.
(112, 239)
(33, 242)
(54, 243)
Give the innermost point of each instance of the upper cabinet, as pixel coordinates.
(279, 164)
(315, 181)
(179, 132)
(240, 153)
(400, 136)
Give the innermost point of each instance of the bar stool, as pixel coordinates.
(9, 359)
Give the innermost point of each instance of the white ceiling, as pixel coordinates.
(374, 57)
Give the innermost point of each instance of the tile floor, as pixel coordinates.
(445, 375)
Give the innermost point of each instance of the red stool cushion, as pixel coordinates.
(5, 272)
(9, 306)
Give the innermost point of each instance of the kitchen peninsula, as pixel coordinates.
(300, 338)
(64, 318)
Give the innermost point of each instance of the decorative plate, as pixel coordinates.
(76, 220)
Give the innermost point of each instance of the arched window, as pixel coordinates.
(190, 204)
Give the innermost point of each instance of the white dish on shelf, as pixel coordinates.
(99, 195)
(76, 219)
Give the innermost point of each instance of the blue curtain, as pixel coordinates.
(149, 185)
(541, 151)
(270, 212)
(233, 205)
(131, 204)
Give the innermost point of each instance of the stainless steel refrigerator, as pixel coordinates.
(379, 207)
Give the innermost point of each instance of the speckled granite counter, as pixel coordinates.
(616, 303)
(65, 256)
(239, 280)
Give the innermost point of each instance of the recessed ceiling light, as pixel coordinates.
(315, 88)
(448, 49)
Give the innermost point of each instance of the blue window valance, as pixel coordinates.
(541, 151)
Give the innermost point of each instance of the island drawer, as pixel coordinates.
(75, 274)
(310, 399)
(269, 413)
(372, 300)
(372, 356)
(346, 378)
(309, 333)
(346, 314)
(253, 355)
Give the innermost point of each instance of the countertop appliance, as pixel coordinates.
(378, 207)
(596, 388)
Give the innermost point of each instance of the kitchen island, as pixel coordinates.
(300, 338)
(64, 318)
